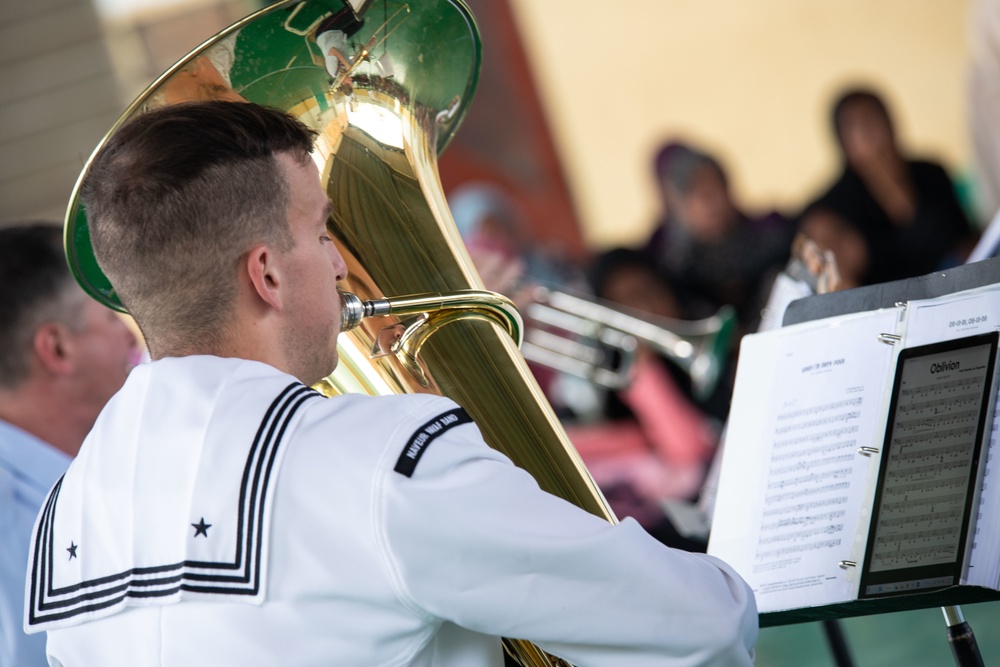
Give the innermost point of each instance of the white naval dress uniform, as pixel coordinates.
(221, 513)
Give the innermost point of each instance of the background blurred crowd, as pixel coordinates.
(887, 216)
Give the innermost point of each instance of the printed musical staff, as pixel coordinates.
(798, 535)
(922, 487)
(812, 461)
(805, 507)
(822, 421)
(818, 454)
(914, 504)
(932, 471)
(797, 548)
(810, 464)
(930, 518)
(810, 491)
(820, 436)
(933, 407)
(820, 450)
(812, 478)
(903, 456)
(803, 520)
(942, 388)
(853, 402)
(917, 556)
(926, 481)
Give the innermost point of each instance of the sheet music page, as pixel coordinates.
(926, 487)
(946, 318)
(793, 486)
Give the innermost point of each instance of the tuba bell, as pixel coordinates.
(385, 84)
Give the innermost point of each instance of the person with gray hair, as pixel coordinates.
(62, 356)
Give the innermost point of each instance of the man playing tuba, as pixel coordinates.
(221, 512)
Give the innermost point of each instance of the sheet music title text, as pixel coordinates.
(822, 365)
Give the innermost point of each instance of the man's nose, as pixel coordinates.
(338, 264)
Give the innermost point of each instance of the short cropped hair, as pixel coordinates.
(176, 198)
(36, 287)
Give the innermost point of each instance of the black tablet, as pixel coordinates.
(923, 513)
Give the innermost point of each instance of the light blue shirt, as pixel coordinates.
(28, 469)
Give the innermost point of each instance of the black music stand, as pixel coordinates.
(886, 295)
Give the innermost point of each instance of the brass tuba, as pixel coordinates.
(385, 83)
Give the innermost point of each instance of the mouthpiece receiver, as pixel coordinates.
(470, 303)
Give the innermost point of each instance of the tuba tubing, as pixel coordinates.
(495, 306)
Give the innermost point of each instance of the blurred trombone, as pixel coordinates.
(598, 341)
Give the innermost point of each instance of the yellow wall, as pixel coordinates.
(750, 80)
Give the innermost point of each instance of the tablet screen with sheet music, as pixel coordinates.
(941, 404)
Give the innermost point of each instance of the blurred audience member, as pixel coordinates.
(652, 442)
(907, 209)
(832, 232)
(495, 232)
(62, 356)
(715, 253)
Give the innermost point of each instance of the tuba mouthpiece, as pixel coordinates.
(352, 311)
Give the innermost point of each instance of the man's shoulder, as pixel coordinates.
(390, 407)
(28, 468)
(384, 419)
(370, 436)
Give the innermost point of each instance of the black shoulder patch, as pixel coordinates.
(425, 435)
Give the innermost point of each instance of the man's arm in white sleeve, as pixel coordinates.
(473, 540)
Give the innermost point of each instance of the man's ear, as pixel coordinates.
(51, 344)
(264, 272)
